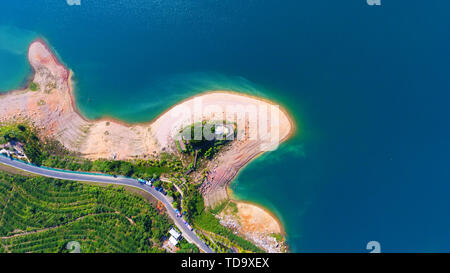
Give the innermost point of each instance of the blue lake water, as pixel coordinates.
(368, 87)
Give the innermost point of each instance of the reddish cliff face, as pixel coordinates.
(40, 56)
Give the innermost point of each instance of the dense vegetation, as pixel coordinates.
(186, 247)
(23, 134)
(136, 168)
(42, 215)
(201, 137)
(193, 202)
(34, 86)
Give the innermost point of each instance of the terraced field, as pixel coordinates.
(40, 214)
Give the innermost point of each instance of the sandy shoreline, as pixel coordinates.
(280, 225)
(256, 224)
(52, 109)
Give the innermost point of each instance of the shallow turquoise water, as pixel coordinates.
(368, 87)
(14, 68)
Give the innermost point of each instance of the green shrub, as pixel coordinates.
(33, 86)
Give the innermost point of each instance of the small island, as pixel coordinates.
(41, 124)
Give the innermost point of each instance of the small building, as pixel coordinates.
(221, 130)
(175, 237)
(175, 233)
(173, 241)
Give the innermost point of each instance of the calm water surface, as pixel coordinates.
(368, 87)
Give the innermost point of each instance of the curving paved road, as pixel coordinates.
(188, 234)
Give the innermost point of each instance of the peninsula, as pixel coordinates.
(48, 104)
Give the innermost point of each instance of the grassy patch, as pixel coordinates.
(33, 86)
(219, 208)
(232, 206)
(277, 237)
